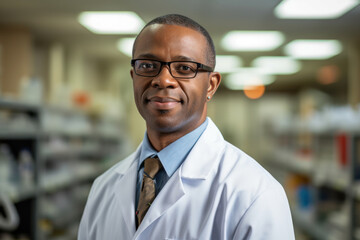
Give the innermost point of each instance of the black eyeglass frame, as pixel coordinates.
(200, 66)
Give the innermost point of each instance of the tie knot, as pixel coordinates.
(152, 166)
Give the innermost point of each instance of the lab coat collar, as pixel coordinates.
(204, 154)
(199, 163)
(210, 145)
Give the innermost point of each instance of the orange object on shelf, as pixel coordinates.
(81, 99)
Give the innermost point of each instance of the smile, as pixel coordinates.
(163, 103)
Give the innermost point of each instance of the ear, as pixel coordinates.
(132, 73)
(214, 82)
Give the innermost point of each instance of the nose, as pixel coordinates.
(164, 79)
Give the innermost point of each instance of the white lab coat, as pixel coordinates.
(219, 192)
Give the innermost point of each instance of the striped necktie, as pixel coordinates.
(147, 190)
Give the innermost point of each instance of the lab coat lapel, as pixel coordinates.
(126, 186)
(205, 154)
(168, 196)
(197, 165)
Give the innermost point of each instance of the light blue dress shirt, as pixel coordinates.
(171, 157)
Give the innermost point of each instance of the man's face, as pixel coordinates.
(167, 104)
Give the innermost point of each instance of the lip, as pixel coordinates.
(163, 102)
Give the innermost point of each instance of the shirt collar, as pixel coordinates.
(173, 155)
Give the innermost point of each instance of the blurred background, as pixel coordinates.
(289, 97)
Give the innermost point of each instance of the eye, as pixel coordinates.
(146, 65)
(185, 68)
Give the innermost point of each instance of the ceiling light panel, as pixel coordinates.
(111, 22)
(313, 49)
(247, 77)
(252, 40)
(125, 45)
(314, 9)
(277, 65)
(228, 63)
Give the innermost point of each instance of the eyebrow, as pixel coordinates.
(176, 58)
(184, 58)
(147, 55)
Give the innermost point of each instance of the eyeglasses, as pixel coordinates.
(178, 69)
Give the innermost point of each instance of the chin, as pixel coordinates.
(164, 125)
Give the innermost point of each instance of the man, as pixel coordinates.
(184, 181)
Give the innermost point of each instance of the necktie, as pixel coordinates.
(147, 191)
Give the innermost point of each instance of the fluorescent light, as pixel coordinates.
(247, 77)
(314, 9)
(277, 65)
(125, 45)
(228, 63)
(252, 40)
(313, 49)
(111, 22)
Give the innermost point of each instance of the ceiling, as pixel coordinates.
(51, 20)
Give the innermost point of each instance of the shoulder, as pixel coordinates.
(243, 174)
(255, 198)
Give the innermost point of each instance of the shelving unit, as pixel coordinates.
(320, 172)
(69, 149)
(355, 193)
(14, 138)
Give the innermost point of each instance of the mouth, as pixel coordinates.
(163, 102)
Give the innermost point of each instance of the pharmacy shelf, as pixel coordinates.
(71, 152)
(314, 229)
(17, 135)
(326, 169)
(288, 161)
(88, 152)
(307, 167)
(18, 106)
(356, 191)
(20, 193)
(51, 185)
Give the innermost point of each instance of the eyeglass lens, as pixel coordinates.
(152, 68)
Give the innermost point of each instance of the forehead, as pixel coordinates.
(170, 42)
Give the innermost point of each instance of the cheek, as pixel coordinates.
(138, 91)
(195, 89)
(196, 95)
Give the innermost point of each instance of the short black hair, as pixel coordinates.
(180, 20)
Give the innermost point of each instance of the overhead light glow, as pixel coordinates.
(252, 40)
(254, 92)
(125, 45)
(314, 9)
(111, 22)
(246, 78)
(228, 63)
(313, 49)
(277, 65)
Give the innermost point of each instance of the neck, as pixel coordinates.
(160, 139)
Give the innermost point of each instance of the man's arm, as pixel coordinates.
(268, 218)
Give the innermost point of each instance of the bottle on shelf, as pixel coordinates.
(26, 168)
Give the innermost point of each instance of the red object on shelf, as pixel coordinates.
(342, 147)
(81, 98)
